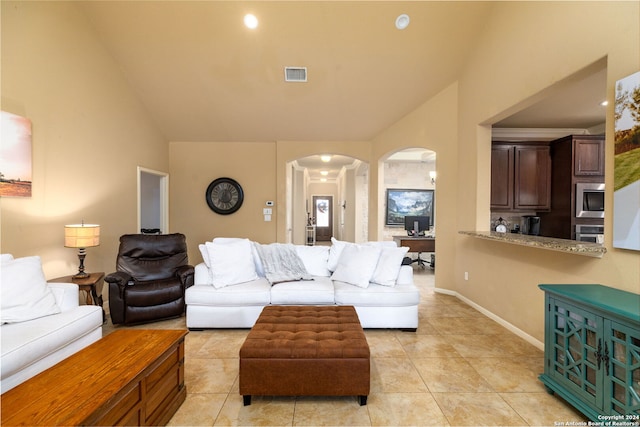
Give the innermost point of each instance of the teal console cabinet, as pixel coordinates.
(592, 350)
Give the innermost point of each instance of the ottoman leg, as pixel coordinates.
(246, 399)
(362, 400)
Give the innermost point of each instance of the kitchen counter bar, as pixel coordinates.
(560, 245)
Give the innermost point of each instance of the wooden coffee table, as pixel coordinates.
(129, 377)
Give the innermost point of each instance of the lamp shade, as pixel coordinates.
(81, 235)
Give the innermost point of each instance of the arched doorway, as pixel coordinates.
(410, 168)
(341, 180)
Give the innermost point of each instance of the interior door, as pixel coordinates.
(153, 201)
(323, 213)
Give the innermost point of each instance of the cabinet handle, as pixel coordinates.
(603, 357)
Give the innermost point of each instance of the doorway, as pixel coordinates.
(323, 213)
(153, 201)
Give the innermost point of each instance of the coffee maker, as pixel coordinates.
(530, 224)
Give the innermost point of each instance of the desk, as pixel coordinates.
(419, 245)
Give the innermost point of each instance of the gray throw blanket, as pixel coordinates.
(281, 263)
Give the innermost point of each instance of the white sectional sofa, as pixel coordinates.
(43, 324)
(234, 283)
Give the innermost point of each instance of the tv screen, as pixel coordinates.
(423, 223)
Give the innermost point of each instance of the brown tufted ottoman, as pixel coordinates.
(305, 351)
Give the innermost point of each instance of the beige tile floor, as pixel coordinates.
(459, 369)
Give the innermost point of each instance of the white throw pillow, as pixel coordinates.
(334, 253)
(388, 268)
(5, 257)
(315, 259)
(231, 263)
(256, 258)
(24, 293)
(357, 264)
(205, 255)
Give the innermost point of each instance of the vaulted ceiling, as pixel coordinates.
(204, 76)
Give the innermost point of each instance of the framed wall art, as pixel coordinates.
(626, 196)
(402, 202)
(15, 156)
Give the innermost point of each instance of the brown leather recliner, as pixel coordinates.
(151, 278)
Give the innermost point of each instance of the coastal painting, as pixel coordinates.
(626, 196)
(15, 155)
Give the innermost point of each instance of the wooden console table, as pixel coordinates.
(419, 245)
(129, 377)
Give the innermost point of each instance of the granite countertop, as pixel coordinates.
(561, 245)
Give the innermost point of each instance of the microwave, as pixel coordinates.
(589, 200)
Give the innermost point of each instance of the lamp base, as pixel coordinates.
(81, 274)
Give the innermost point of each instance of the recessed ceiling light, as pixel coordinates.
(325, 158)
(402, 21)
(604, 103)
(250, 21)
(323, 179)
(324, 173)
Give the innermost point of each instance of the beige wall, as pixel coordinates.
(259, 167)
(527, 47)
(89, 135)
(195, 165)
(432, 126)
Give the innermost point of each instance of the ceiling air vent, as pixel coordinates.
(295, 74)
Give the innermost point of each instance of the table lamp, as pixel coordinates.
(81, 236)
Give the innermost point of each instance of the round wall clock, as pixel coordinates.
(224, 196)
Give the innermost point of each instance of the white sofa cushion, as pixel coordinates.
(231, 262)
(376, 295)
(24, 344)
(357, 264)
(334, 253)
(315, 259)
(24, 294)
(255, 292)
(388, 267)
(205, 254)
(305, 292)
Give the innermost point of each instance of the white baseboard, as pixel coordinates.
(519, 332)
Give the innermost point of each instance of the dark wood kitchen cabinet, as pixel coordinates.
(502, 177)
(520, 177)
(576, 159)
(588, 156)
